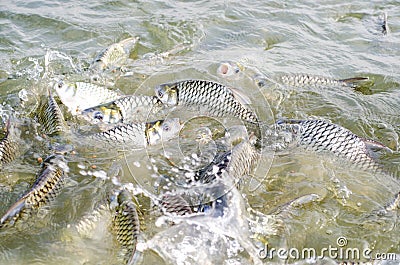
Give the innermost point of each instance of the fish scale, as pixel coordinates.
(219, 100)
(46, 188)
(9, 147)
(321, 135)
(128, 105)
(125, 109)
(238, 162)
(299, 80)
(49, 115)
(126, 223)
(175, 204)
(133, 134)
(140, 135)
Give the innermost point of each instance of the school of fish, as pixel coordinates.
(137, 122)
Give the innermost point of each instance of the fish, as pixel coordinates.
(78, 96)
(123, 110)
(140, 135)
(49, 116)
(9, 145)
(320, 135)
(88, 223)
(114, 55)
(217, 99)
(236, 163)
(51, 179)
(126, 223)
(175, 204)
(306, 80)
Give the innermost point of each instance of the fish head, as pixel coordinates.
(162, 130)
(105, 114)
(167, 94)
(65, 90)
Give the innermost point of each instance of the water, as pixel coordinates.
(41, 41)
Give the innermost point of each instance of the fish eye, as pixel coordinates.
(237, 70)
(160, 93)
(98, 115)
(166, 128)
(60, 84)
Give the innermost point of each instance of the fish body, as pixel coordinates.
(236, 163)
(114, 55)
(87, 224)
(50, 117)
(140, 135)
(319, 135)
(304, 80)
(126, 223)
(46, 188)
(217, 99)
(78, 96)
(9, 147)
(175, 204)
(125, 109)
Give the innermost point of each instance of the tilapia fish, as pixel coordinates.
(140, 135)
(114, 55)
(319, 135)
(9, 146)
(303, 80)
(45, 189)
(236, 163)
(123, 110)
(50, 117)
(216, 99)
(78, 96)
(126, 223)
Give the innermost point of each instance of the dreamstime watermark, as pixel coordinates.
(338, 252)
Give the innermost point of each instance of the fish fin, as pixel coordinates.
(14, 210)
(354, 79)
(240, 96)
(376, 146)
(362, 84)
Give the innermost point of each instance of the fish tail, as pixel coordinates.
(13, 213)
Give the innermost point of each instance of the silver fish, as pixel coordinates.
(114, 55)
(175, 204)
(45, 189)
(319, 135)
(236, 163)
(9, 145)
(125, 109)
(87, 224)
(140, 135)
(126, 223)
(217, 99)
(50, 117)
(304, 80)
(78, 96)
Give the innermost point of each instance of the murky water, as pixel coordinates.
(44, 41)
